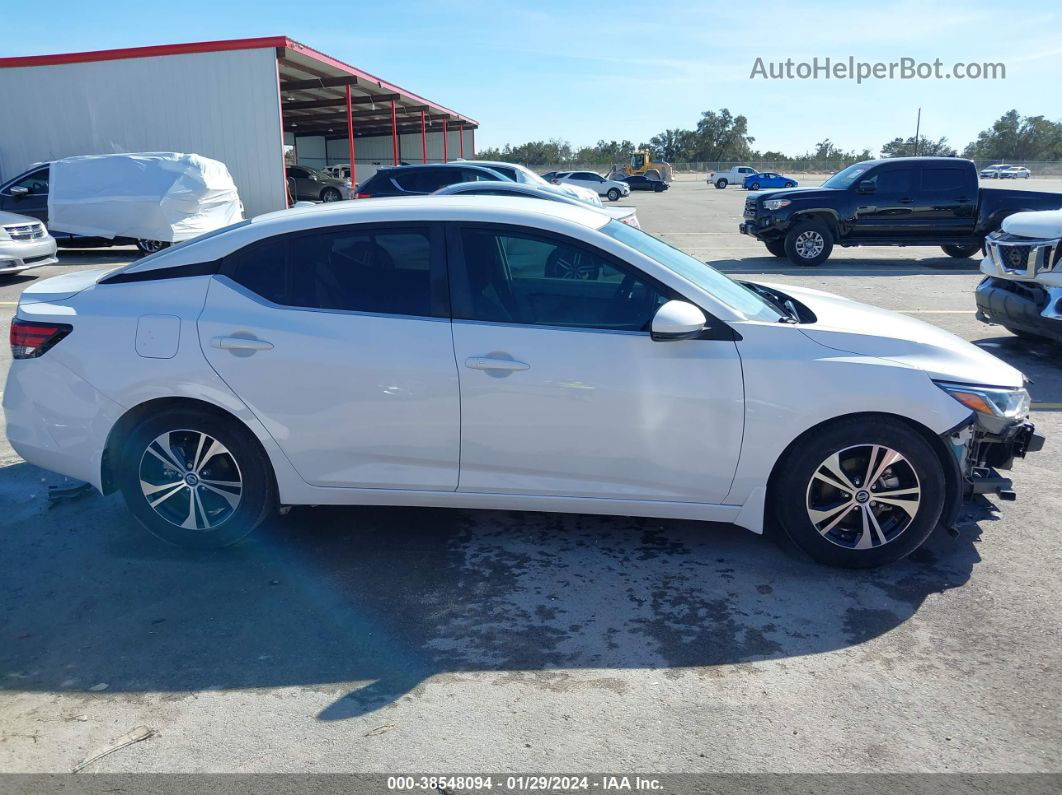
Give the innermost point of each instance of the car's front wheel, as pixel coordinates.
(151, 246)
(331, 195)
(790, 184)
(195, 479)
(860, 492)
(613, 194)
(961, 252)
(809, 243)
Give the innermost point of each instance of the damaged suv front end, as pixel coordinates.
(1022, 288)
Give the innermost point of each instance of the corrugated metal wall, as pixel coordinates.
(222, 105)
(316, 152)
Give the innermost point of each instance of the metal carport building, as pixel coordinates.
(241, 101)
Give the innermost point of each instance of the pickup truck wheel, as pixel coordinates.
(721, 183)
(613, 194)
(809, 243)
(1025, 335)
(860, 492)
(776, 247)
(961, 252)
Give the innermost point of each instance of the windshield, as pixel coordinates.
(844, 179)
(532, 177)
(734, 295)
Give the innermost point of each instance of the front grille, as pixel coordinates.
(25, 231)
(1022, 256)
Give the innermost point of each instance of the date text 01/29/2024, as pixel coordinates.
(525, 783)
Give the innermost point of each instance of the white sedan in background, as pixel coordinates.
(612, 188)
(433, 352)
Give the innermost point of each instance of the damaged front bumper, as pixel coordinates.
(981, 447)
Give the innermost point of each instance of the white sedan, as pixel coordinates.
(612, 188)
(437, 351)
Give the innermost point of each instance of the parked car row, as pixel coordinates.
(1005, 171)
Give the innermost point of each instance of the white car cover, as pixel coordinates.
(165, 196)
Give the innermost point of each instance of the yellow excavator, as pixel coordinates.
(641, 162)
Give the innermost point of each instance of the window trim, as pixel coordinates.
(438, 281)
(461, 300)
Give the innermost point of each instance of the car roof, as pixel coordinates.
(518, 211)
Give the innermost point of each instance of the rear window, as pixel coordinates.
(380, 182)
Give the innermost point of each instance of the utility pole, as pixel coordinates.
(918, 129)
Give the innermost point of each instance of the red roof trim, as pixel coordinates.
(144, 52)
(224, 45)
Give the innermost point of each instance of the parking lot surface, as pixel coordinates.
(397, 640)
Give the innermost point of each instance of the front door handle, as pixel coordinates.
(487, 363)
(241, 344)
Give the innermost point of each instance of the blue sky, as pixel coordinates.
(588, 70)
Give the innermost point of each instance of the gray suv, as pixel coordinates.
(310, 185)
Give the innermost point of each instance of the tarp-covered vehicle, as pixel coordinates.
(148, 198)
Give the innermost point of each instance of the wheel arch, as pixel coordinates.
(829, 217)
(124, 425)
(949, 466)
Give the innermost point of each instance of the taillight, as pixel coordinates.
(30, 339)
(364, 195)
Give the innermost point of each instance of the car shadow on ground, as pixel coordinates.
(366, 604)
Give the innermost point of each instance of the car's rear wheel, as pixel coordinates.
(776, 247)
(151, 246)
(860, 492)
(721, 183)
(809, 243)
(961, 252)
(754, 186)
(331, 195)
(195, 479)
(613, 194)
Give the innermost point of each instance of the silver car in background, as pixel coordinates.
(24, 244)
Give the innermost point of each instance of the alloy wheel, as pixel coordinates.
(571, 265)
(864, 496)
(190, 479)
(809, 244)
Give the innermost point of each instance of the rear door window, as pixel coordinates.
(943, 179)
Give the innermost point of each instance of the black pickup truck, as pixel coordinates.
(902, 201)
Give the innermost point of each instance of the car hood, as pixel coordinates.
(779, 193)
(866, 330)
(14, 218)
(1046, 224)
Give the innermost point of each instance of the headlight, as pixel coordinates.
(776, 204)
(995, 402)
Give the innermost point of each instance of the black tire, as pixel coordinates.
(754, 186)
(658, 188)
(331, 195)
(776, 247)
(721, 183)
(809, 243)
(243, 461)
(790, 184)
(151, 246)
(961, 252)
(613, 194)
(800, 485)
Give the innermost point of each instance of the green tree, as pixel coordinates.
(900, 147)
(1014, 137)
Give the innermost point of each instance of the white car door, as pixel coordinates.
(564, 393)
(587, 180)
(339, 341)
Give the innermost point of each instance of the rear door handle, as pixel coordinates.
(487, 363)
(241, 344)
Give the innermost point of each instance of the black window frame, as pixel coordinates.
(461, 306)
(439, 286)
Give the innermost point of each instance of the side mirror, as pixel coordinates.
(677, 320)
(18, 192)
(867, 186)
